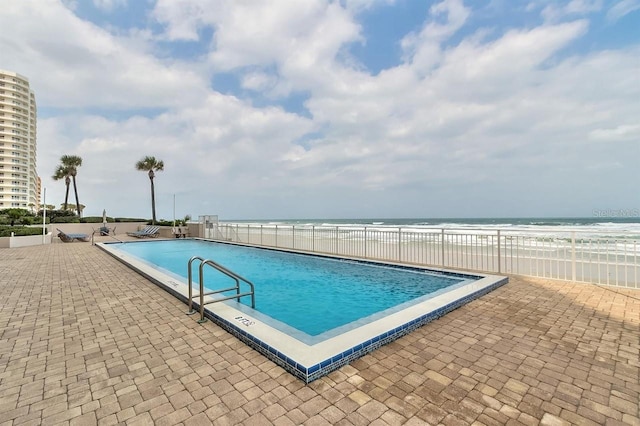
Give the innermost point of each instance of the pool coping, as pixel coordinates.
(309, 362)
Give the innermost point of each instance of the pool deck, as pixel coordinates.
(84, 340)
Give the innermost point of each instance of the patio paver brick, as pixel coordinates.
(84, 341)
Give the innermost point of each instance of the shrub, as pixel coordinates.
(19, 231)
(13, 216)
(54, 215)
(26, 220)
(95, 219)
(130, 219)
(65, 219)
(162, 222)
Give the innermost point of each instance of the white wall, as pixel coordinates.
(25, 241)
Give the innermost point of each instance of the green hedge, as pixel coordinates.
(19, 231)
(66, 219)
(61, 216)
(130, 219)
(96, 219)
(162, 222)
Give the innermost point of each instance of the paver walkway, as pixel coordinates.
(84, 340)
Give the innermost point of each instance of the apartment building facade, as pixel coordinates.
(19, 182)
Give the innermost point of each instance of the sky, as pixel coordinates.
(335, 109)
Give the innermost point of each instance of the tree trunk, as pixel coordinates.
(75, 190)
(153, 202)
(67, 182)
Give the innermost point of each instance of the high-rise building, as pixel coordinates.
(18, 175)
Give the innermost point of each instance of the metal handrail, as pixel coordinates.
(190, 277)
(237, 278)
(109, 235)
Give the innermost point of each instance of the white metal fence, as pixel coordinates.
(565, 255)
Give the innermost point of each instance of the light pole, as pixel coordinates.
(44, 215)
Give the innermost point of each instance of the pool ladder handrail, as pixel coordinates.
(202, 293)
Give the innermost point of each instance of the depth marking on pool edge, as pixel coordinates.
(244, 321)
(173, 283)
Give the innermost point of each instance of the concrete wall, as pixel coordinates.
(25, 241)
(121, 228)
(88, 228)
(194, 229)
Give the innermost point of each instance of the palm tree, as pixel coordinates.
(72, 162)
(68, 169)
(149, 164)
(62, 172)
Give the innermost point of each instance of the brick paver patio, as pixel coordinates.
(84, 340)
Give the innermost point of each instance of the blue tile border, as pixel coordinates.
(310, 373)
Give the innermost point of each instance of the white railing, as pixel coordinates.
(565, 255)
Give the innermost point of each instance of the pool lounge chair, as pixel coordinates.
(67, 238)
(147, 231)
(104, 231)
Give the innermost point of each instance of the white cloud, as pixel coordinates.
(301, 39)
(362, 5)
(583, 6)
(219, 145)
(183, 18)
(259, 33)
(626, 132)
(484, 104)
(259, 81)
(622, 8)
(558, 10)
(489, 111)
(85, 65)
(423, 50)
(297, 36)
(109, 5)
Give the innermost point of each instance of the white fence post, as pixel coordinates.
(365, 242)
(442, 246)
(573, 256)
(498, 251)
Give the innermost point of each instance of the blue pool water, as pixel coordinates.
(309, 293)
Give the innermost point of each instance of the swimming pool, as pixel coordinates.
(313, 313)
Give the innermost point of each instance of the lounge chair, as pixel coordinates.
(147, 231)
(104, 231)
(67, 238)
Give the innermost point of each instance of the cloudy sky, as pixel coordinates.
(336, 109)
